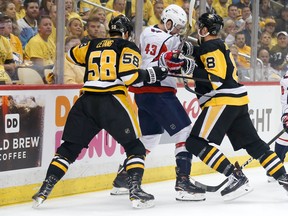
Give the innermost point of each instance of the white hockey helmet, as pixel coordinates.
(176, 14)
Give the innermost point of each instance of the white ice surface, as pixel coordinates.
(266, 199)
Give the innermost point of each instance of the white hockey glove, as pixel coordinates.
(156, 74)
(170, 59)
(187, 49)
(189, 65)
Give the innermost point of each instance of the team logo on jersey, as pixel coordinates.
(127, 130)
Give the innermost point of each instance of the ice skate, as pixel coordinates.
(44, 191)
(187, 191)
(237, 186)
(138, 197)
(283, 180)
(120, 184)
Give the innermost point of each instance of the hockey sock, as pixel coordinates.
(135, 164)
(216, 160)
(183, 162)
(58, 167)
(272, 164)
(281, 151)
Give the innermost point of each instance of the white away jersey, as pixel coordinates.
(154, 42)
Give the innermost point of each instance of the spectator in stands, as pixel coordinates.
(100, 14)
(209, 7)
(265, 41)
(14, 41)
(93, 26)
(45, 7)
(244, 3)
(269, 73)
(158, 7)
(6, 54)
(75, 27)
(147, 10)
(84, 7)
(53, 15)
(102, 31)
(70, 8)
(233, 13)
(20, 11)
(243, 73)
(243, 49)
(279, 52)
(221, 8)
(73, 74)
(282, 21)
(266, 9)
(117, 5)
(270, 27)
(247, 31)
(41, 49)
(245, 13)
(28, 24)
(228, 32)
(8, 8)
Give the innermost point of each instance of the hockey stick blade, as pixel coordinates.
(210, 188)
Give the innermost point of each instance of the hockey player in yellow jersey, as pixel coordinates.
(224, 104)
(111, 64)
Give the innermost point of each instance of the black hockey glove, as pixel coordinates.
(285, 121)
(187, 49)
(156, 74)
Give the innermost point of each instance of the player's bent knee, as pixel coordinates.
(257, 149)
(69, 150)
(134, 147)
(195, 144)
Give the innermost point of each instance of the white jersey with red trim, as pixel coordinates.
(154, 42)
(283, 139)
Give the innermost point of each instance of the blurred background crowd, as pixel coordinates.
(28, 34)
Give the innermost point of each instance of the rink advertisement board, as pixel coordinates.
(31, 131)
(21, 134)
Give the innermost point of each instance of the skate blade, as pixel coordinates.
(119, 191)
(245, 189)
(37, 202)
(185, 196)
(141, 204)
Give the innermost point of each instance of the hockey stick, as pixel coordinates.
(190, 78)
(209, 188)
(188, 30)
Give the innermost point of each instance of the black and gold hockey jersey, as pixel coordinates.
(110, 64)
(217, 66)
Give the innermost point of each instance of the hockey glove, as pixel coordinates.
(285, 121)
(188, 49)
(170, 59)
(189, 66)
(156, 74)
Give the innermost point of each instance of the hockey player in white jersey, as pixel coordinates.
(281, 144)
(158, 107)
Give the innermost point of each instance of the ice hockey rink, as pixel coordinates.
(265, 199)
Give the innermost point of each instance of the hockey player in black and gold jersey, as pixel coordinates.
(224, 104)
(111, 64)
